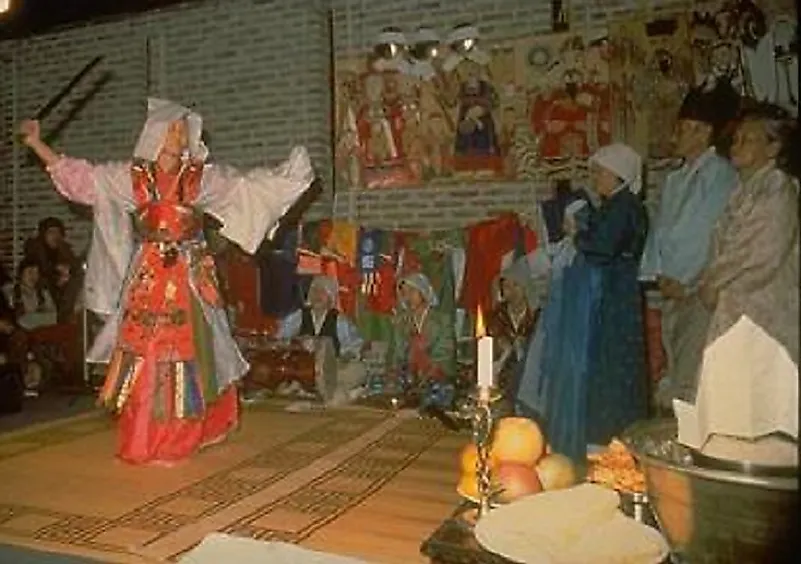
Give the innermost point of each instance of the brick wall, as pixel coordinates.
(258, 71)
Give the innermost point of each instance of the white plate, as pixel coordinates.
(524, 531)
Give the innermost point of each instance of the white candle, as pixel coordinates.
(485, 362)
(484, 355)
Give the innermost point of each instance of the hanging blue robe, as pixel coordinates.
(584, 376)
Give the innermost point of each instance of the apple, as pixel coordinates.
(515, 481)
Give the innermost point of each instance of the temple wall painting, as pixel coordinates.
(416, 111)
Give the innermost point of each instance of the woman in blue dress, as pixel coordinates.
(584, 376)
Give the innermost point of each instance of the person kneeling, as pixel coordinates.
(422, 356)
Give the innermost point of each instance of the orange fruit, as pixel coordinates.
(518, 440)
(468, 486)
(468, 458)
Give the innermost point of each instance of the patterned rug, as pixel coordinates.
(281, 476)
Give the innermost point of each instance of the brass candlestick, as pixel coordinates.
(479, 410)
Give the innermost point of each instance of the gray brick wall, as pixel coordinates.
(7, 207)
(258, 71)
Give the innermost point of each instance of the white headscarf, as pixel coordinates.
(160, 114)
(421, 283)
(624, 162)
(530, 273)
(327, 284)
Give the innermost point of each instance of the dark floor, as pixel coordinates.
(46, 408)
(14, 555)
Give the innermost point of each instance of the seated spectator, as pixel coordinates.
(32, 302)
(58, 266)
(68, 292)
(8, 326)
(13, 339)
(422, 355)
(320, 319)
(512, 321)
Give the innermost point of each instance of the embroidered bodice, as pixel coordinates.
(165, 213)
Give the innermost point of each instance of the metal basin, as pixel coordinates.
(712, 516)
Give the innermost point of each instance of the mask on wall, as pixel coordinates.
(463, 42)
(425, 48)
(390, 48)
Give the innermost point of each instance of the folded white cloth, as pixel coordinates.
(748, 388)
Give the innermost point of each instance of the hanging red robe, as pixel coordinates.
(487, 243)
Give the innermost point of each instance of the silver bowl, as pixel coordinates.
(714, 516)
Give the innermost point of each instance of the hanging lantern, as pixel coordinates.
(463, 39)
(390, 43)
(425, 45)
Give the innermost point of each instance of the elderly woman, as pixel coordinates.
(321, 318)
(585, 370)
(422, 353)
(58, 265)
(511, 322)
(172, 362)
(753, 269)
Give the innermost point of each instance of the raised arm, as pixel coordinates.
(108, 189)
(30, 131)
(76, 179)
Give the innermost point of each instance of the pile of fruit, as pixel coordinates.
(521, 463)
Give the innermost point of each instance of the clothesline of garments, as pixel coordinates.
(461, 263)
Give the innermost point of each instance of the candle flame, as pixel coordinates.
(481, 330)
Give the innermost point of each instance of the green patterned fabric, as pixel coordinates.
(204, 352)
(440, 343)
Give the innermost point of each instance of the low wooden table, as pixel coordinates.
(454, 543)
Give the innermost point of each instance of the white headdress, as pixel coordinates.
(461, 34)
(624, 162)
(160, 114)
(328, 284)
(420, 282)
